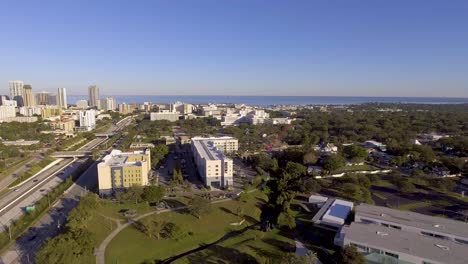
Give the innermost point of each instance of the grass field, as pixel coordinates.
(132, 246)
(250, 247)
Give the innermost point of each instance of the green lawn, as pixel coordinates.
(132, 246)
(251, 246)
(413, 206)
(352, 168)
(382, 183)
(112, 209)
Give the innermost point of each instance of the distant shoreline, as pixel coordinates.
(275, 100)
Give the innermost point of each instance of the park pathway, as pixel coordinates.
(101, 250)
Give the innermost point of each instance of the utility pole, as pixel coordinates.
(9, 230)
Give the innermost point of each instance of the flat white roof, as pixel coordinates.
(398, 241)
(407, 218)
(208, 150)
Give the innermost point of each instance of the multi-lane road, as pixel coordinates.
(50, 224)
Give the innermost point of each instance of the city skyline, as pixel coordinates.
(364, 48)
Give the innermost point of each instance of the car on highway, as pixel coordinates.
(42, 190)
(16, 190)
(35, 180)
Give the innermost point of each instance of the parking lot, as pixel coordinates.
(181, 155)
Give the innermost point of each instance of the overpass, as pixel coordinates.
(72, 154)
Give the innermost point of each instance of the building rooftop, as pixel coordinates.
(119, 158)
(398, 241)
(208, 150)
(407, 218)
(213, 138)
(338, 211)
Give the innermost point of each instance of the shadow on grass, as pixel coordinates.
(281, 245)
(217, 254)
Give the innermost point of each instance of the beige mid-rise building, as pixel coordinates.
(215, 168)
(120, 170)
(28, 97)
(65, 124)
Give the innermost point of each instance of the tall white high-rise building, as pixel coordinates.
(62, 98)
(88, 119)
(16, 91)
(93, 93)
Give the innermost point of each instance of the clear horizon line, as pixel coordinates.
(218, 95)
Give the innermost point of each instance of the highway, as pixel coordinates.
(51, 223)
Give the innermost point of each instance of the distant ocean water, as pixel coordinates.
(275, 100)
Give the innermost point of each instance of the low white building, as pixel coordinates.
(82, 104)
(278, 121)
(214, 167)
(30, 110)
(375, 144)
(386, 235)
(164, 115)
(7, 112)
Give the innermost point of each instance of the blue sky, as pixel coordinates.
(237, 47)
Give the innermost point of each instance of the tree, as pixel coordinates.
(334, 162)
(177, 176)
(199, 206)
(355, 153)
(152, 227)
(153, 194)
(310, 157)
(78, 218)
(348, 255)
(404, 186)
(134, 193)
(173, 231)
(286, 219)
(158, 153)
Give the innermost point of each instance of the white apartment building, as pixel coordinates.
(214, 167)
(386, 235)
(7, 112)
(30, 110)
(257, 117)
(109, 104)
(7, 102)
(16, 91)
(62, 98)
(87, 120)
(182, 108)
